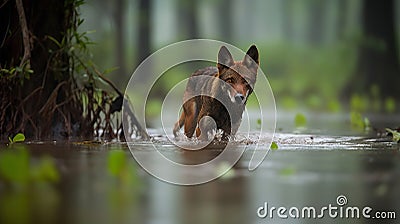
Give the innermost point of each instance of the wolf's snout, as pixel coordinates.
(239, 98)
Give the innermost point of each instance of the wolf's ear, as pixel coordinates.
(251, 60)
(225, 59)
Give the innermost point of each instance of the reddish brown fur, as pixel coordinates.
(202, 94)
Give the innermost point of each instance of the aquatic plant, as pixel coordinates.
(300, 120)
(17, 138)
(395, 134)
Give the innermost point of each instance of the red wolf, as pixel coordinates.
(218, 92)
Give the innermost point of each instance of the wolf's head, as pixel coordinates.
(240, 75)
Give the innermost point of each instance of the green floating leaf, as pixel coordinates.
(45, 171)
(358, 103)
(367, 124)
(14, 166)
(334, 106)
(288, 171)
(258, 121)
(300, 120)
(274, 146)
(396, 134)
(390, 105)
(358, 121)
(116, 162)
(19, 138)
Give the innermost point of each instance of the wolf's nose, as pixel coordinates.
(239, 98)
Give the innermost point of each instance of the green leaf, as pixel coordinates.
(367, 124)
(358, 103)
(259, 122)
(18, 138)
(300, 120)
(55, 41)
(45, 171)
(390, 105)
(109, 70)
(396, 134)
(358, 121)
(274, 146)
(14, 166)
(116, 162)
(334, 106)
(288, 171)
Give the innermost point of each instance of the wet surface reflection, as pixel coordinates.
(305, 171)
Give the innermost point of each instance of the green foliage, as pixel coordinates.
(295, 70)
(288, 171)
(118, 167)
(274, 146)
(74, 45)
(334, 106)
(17, 138)
(374, 102)
(16, 168)
(21, 72)
(314, 102)
(300, 120)
(390, 105)
(116, 162)
(395, 134)
(288, 103)
(358, 121)
(45, 170)
(153, 108)
(259, 122)
(358, 103)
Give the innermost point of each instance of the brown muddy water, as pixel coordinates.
(308, 170)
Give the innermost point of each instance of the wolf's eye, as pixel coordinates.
(230, 80)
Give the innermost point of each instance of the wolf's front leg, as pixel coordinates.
(206, 125)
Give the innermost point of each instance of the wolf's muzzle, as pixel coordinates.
(239, 98)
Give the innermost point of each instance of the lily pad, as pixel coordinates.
(19, 138)
(274, 146)
(300, 120)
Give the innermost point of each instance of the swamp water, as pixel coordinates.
(308, 170)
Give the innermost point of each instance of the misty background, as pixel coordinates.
(320, 55)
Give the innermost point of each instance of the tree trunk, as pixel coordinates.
(34, 90)
(120, 40)
(287, 20)
(224, 11)
(188, 19)
(377, 56)
(144, 39)
(342, 19)
(48, 103)
(316, 22)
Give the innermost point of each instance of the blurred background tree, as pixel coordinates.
(378, 61)
(34, 71)
(50, 86)
(314, 52)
